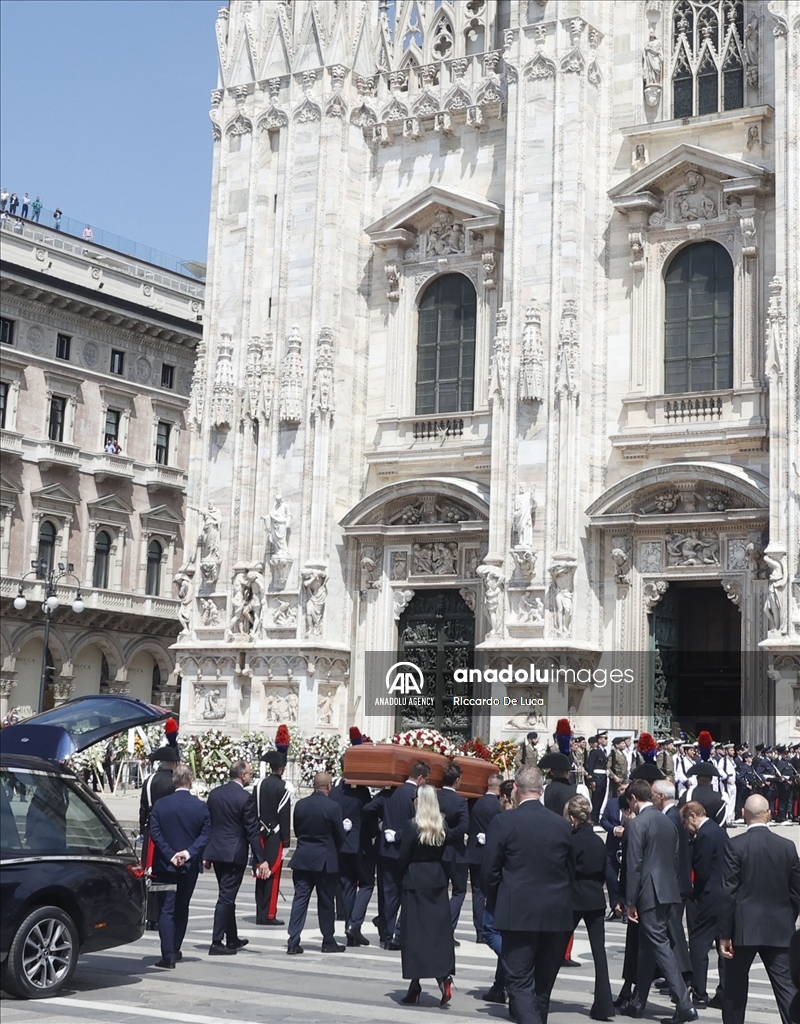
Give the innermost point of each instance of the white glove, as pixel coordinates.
(347, 824)
(481, 838)
(390, 835)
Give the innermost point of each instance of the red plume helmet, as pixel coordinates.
(355, 736)
(705, 742)
(647, 747)
(564, 736)
(282, 739)
(170, 726)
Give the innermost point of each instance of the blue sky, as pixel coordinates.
(104, 112)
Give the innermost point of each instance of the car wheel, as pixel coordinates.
(43, 954)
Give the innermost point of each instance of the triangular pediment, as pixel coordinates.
(8, 491)
(161, 514)
(55, 494)
(110, 503)
(663, 174)
(417, 213)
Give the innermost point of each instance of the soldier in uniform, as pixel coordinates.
(273, 810)
(665, 759)
(528, 753)
(597, 768)
(617, 766)
(746, 783)
(726, 766)
(559, 790)
(156, 785)
(704, 793)
(683, 762)
(783, 784)
(765, 773)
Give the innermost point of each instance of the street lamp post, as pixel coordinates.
(51, 579)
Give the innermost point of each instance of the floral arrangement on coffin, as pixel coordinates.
(504, 753)
(426, 739)
(475, 748)
(320, 754)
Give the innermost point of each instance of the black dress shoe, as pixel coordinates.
(456, 942)
(165, 961)
(494, 995)
(178, 956)
(599, 1016)
(295, 950)
(355, 938)
(394, 946)
(715, 1002)
(273, 922)
(238, 944)
(700, 1002)
(572, 963)
(681, 1017)
(150, 926)
(219, 950)
(332, 947)
(630, 1010)
(623, 998)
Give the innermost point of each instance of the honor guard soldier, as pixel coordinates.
(665, 759)
(559, 790)
(704, 793)
(784, 774)
(597, 769)
(617, 765)
(155, 786)
(273, 810)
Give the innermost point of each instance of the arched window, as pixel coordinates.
(47, 546)
(446, 346)
(153, 583)
(710, 51)
(698, 329)
(102, 551)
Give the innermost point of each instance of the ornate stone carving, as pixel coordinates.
(525, 561)
(241, 618)
(291, 389)
(621, 559)
(774, 603)
(442, 122)
(736, 554)
(281, 706)
(523, 517)
(209, 570)
(399, 565)
(222, 406)
(210, 704)
(562, 575)
(530, 608)
(400, 601)
(776, 331)
(412, 128)
(208, 539)
(498, 370)
(531, 371)
(185, 586)
(692, 548)
(259, 381)
(315, 581)
(371, 565)
(652, 69)
(652, 592)
(636, 241)
(692, 203)
(751, 49)
(493, 583)
(437, 559)
(283, 614)
(567, 372)
(256, 598)
(489, 261)
(650, 556)
(325, 706)
(429, 509)
(392, 271)
(733, 589)
(755, 556)
(277, 525)
(469, 597)
(197, 394)
(322, 394)
(209, 613)
(445, 235)
(240, 125)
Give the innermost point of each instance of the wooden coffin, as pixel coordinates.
(388, 764)
(475, 774)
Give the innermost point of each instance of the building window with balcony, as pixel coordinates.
(708, 57)
(47, 546)
(55, 421)
(162, 443)
(102, 555)
(117, 361)
(63, 346)
(167, 376)
(111, 432)
(3, 403)
(6, 331)
(446, 346)
(698, 329)
(153, 580)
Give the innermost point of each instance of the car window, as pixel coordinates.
(45, 815)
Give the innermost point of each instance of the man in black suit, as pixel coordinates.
(234, 832)
(704, 793)
(663, 797)
(454, 859)
(760, 903)
(708, 860)
(315, 864)
(273, 811)
(356, 864)
(597, 774)
(481, 815)
(652, 890)
(180, 826)
(395, 811)
(530, 896)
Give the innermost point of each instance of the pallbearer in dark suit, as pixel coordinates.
(760, 903)
(454, 859)
(156, 786)
(315, 863)
(356, 865)
(274, 813)
(180, 826)
(530, 896)
(588, 899)
(481, 815)
(652, 890)
(427, 938)
(708, 862)
(234, 833)
(395, 812)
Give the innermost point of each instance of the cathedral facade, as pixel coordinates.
(500, 366)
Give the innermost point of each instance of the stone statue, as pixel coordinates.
(186, 597)
(292, 704)
(523, 517)
(209, 613)
(562, 574)
(773, 603)
(620, 559)
(213, 709)
(283, 614)
(400, 600)
(690, 549)
(256, 601)
(208, 541)
(493, 580)
(277, 524)
(531, 609)
(315, 582)
(325, 708)
(652, 60)
(446, 235)
(240, 620)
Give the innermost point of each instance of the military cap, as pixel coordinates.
(555, 762)
(274, 758)
(704, 770)
(166, 753)
(648, 772)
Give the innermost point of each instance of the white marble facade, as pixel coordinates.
(533, 147)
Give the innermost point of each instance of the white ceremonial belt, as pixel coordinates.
(600, 771)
